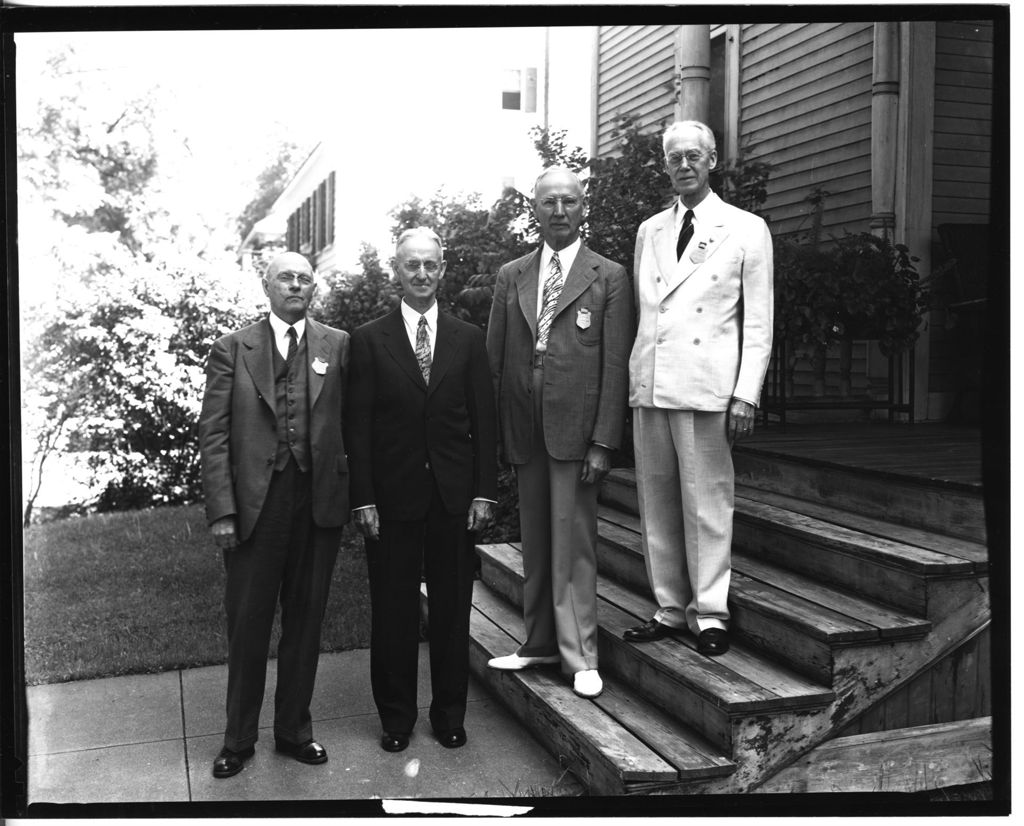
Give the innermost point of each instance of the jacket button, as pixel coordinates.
(700, 309)
(427, 465)
(696, 341)
(270, 462)
(664, 309)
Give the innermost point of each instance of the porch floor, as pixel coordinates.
(936, 452)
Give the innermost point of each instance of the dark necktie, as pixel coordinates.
(423, 348)
(552, 291)
(293, 345)
(685, 234)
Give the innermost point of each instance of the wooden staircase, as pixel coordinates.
(845, 586)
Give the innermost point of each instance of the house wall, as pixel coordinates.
(805, 107)
(635, 75)
(961, 176)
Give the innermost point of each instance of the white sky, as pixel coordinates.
(418, 108)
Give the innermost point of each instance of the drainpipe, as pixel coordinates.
(885, 102)
(693, 72)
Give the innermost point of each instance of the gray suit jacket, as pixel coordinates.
(238, 424)
(585, 369)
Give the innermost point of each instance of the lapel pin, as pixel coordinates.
(583, 318)
(319, 366)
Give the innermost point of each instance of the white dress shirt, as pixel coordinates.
(280, 328)
(411, 318)
(565, 258)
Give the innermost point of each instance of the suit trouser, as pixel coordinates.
(287, 557)
(558, 525)
(685, 484)
(439, 547)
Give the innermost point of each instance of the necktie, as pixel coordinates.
(293, 345)
(552, 290)
(685, 234)
(423, 348)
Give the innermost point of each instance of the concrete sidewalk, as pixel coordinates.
(152, 738)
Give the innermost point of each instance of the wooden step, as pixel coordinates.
(718, 696)
(868, 563)
(617, 743)
(942, 506)
(796, 619)
(901, 760)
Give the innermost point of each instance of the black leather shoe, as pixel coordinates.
(229, 763)
(309, 752)
(394, 742)
(453, 738)
(712, 641)
(648, 632)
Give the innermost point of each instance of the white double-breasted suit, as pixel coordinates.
(704, 338)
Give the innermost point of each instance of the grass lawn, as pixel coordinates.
(142, 591)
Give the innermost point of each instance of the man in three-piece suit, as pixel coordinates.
(558, 339)
(423, 457)
(275, 481)
(703, 279)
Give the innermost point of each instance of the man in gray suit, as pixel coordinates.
(275, 480)
(558, 339)
(703, 277)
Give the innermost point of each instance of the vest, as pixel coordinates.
(291, 401)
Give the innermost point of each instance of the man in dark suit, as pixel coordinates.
(422, 445)
(558, 338)
(275, 480)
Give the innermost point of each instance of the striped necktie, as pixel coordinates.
(552, 290)
(423, 348)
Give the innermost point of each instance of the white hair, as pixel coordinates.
(419, 232)
(551, 170)
(681, 125)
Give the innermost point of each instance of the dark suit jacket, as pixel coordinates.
(402, 434)
(585, 370)
(238, 424)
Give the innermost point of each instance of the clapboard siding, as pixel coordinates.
(805, 102)
(635, 69)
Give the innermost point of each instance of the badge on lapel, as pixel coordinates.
(699, 255)
(583, 318)
(319, 366)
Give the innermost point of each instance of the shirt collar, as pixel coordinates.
(700, 212)
(565, 256)
(412, 317)
(280, 327)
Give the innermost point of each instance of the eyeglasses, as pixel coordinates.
(288, 278)
(413, 266)
(692, 157)
(568, 202)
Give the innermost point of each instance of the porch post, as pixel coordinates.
(914, 179)
(693, 70)
(885, 103)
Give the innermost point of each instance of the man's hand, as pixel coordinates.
(225, 532)
(596, 464)
(367, 522)
(740, 421)
(480, 515)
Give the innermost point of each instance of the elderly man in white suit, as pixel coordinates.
(703, 279)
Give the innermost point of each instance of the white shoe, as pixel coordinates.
(587, 683)
(513, 662)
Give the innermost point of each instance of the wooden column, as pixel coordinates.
(885, 102)
(914, 178)
(693, 70)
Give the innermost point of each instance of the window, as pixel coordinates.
(311, 226)
(511, 89)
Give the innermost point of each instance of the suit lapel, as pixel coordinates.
(581, 275)
(706, 241)
(446, 344)
(526, 285)
(396, 343)
(259, 360)
(316, 348)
